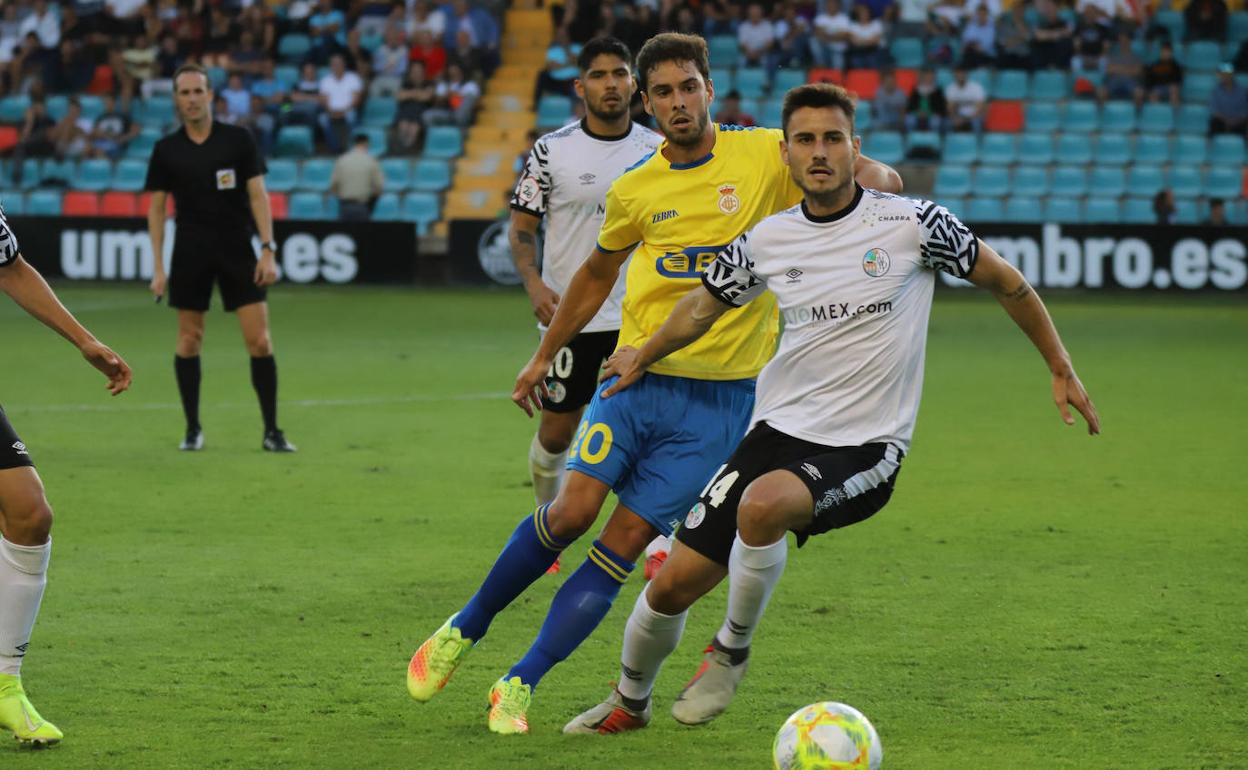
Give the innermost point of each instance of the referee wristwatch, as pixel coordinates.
(270, 245)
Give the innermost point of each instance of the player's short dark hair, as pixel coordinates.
(816, 95)
(603, 44)
(192, 68)
(675, 47)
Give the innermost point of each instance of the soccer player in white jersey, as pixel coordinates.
(853, 272)
(25, 516)
(565, 181)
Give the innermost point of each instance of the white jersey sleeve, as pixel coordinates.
(731, 277)
(8, 242)
(533, 187)
(944, 242)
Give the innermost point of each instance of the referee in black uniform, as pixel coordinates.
(216, 176)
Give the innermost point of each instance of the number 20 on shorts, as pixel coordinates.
(586, 436)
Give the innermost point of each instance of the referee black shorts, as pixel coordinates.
(13, 453)
(199, 262)
(573, 376)
(848, 485)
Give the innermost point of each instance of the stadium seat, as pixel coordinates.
(307, 205)
(1074, 148)
(1190, 150)
(294, 142)
(92, 106)
(751, 82)
(771, 111)
(1042, 117)
(998, 149)
(786, 79)
(13, 108)
(315, 173)
(1156, 118)
(884, 146)
(1118, 118)
(31, 174)
(283, 175)
(979, 210)
(397, 174)
(952, 181)
(1023, 209)
(1237, 28)
(1035, 149)
(421, 208)
(1069, 180)
(287, 75)
(1010, 84)
(1049, 86)
(1102, 211)
(1172, 22)
(13, 203)
(864, 115)
(1224, 181)
(956, 205)
(923, 144)
(129, 175)
(376, 139)
(1080, 118)
(1145, 180)
(120, 204)
(825, 75)
(1186, 182)
(59, 172)
(94, 174)
(1107, 182)
(79, 203)
(1151, 148)
(1227, 150)
(293, 47)
(431, 175)
(141, 145)
(1004, 115)
(1193, 119)
(862, 82)
(387, 208)
(44, 203)
(1198, 87)
(554, 111)
(1201, 56)
(722, 79)
(380, 111)
(1138, 211)
(1031, 182)
(990, 181)
(907, 52)
(444, 142)
(1063, 210)
(907, 78)
(155, 112)
(1111, 149)
(724, 50)
(963, 149)
(56, 105)
(1186, 212)
(8, 138)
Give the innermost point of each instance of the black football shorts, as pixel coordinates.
(13, 453)
(573, 375)
(200, 262)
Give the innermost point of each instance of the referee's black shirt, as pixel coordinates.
(208, 181)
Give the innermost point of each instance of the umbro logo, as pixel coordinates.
(794, 276)
(20, 448)
(812, 471)
(663, 216)
(587, 178)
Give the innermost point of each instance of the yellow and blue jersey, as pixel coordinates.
(680, 216)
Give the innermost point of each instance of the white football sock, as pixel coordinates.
(752, 575)
(546, 470)
(23, 574)
(661, 544)
(649, 637)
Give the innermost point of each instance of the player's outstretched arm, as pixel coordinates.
(1024, 306)
(522, 235)
(693, 315)
(871, 173)
(28, 289)
(589, 288)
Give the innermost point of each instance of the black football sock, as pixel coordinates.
(187, 373)
(264, 380)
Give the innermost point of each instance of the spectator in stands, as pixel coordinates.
(415, 96)
(42, 20)
(70, 133)
(370, 16)
(469, 58)
(328, 29)
(888, 109)
(424, 17)
(1240, 62)
(1052, 45)
(124, 17)
(636, 25)
(723, 17)
(247, 58)
(390, 58)
(220, 36)
(168, 59)
(911, 18)
(270, 90)
(756, 37)
(1090, 41)
(683, 20)
(112, 131)
(482, 28)
(299, 15)
(1013, 38)
(1163, 206)
(1122, 70)
(979, 40)
(1228, 104)
(455, 98)
(1163, 78)
(831, 37)
(560, 72)
(866, 39)
(967, 102)
(261, 22)
(429, 52)
(925, 111)
(1206, 20)
(10, 34)
(341, 92)
(35, 140)
(262, 123)
(945, 18)
(356, 181)
(730, 112)
(792, 38)
(27, 65)
(1217, 213)
(580, 19)
(138, 65)
(359, 59)
(237, 97)
(304, 103)
(71, 71)
(517, 166)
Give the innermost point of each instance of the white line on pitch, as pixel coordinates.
(311, 402)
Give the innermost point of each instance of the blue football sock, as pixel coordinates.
(526, 557)
(576, 611)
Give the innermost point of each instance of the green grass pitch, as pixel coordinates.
(1031, 598)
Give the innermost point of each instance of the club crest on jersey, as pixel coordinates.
(729, 203)
(876, 262)
(528, 189)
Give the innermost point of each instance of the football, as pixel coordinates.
(827, 736)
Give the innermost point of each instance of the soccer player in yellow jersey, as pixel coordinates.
(656, 444)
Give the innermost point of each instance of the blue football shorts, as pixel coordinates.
(657, 443)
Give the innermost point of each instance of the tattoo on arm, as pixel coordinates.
(526, 238)
(1022, 291)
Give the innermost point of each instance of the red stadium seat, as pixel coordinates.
(120, 204)
(8, 137)
(279, 203)
(1004, 115)
(80, 204)
(906, 79)
(862, 82)
(102, 81)
(1244, 192)
(825, 75)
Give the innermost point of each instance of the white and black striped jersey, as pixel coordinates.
(565, 180)
(855, 291)
(8, 242)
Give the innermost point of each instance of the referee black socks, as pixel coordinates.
(188, 374)
(264, 380)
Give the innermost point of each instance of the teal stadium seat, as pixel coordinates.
(1145, 180)
(1000, 149)
(722, 79)
(1156, 118)
(1107, 182)
(961, 149)
(1190, 150)
(1011, 84)
(377, 138)
(1111, 149)
(985, 210)
(1172, 22)
(1227, 150)
(956, 205)
(432, 175)
(1186, 182)
(315, 174)
(884, 146)
(1118, 117)
(283, 175)
(1023, 209)
(554, 111)
(907, 52)
(294, 142)
(387, 208)
(1042, 117)
(32, 173)
(724, 50)
(788, 78)
(56, 106)
(287, 75)
(331, 207)
(155, 112)
(129, 175)
(44, 203)
(93, 175)
(1138, 211)
(1225, 182)
(1193, 119)
(1102, 211)
(380, 111)
(396, 173)
(1049, 86)
(952, 181)
(293, 47)
(421, 208)
(217, 77)
(990, 181)
(1074, 148)
(306, 205)
(751, 82)
(1151, 148)
(1031, 182)
(771, 113)
(1201, 56)
(1198, 87)
(92, 106)
(1186, 212)
(1063, 210)
(864, 116)
(13, 108)
(13, 203)
(59, 172)
(444, 142)
(924, 141)
(1237, 28)
(1080, 118)
(141, 146)
(1035, 149)
(1070, 180)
